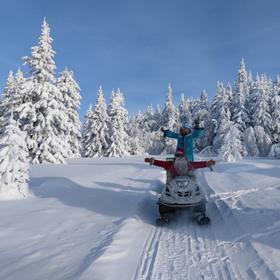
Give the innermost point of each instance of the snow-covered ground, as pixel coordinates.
(94, 219)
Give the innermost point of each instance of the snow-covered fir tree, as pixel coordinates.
(96, 136)
(183, 111)
(135, 138)
(14, 164)
(263, 140)
(250, 142)
(219, 101)
(118, 120)
(260, 109)
(169, 116)
(203, 116)
(87, 137)
(229, 99)
(44, 122)
(219, 112)
(275, 112)
(231, 148)
(72, 99)
(240, 113)
(7, 99)
(222, 126)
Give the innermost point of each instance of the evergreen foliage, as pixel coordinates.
(13, 162)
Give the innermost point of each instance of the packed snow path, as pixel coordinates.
(94, 219)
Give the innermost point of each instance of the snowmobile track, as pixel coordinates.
(189, 251)
(148, 256)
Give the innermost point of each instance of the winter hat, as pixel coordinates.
(180, 152)
(186, 125)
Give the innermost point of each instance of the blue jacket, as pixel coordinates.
(185, 142)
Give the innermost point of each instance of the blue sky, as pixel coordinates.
(142, 45)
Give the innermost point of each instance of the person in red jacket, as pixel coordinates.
(182, 167)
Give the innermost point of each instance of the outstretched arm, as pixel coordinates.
(168, 133)
(161, 163)
(197, 132)
(203, 164)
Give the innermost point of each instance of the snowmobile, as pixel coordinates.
(182, 192)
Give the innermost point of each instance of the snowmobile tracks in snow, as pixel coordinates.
(185, 250)
(149, 255)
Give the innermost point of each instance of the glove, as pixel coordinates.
(150, 160)
(162, 129)
(211, 162)
(196, 123)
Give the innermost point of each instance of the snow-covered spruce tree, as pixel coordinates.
(231, 147)
(275, 112)
(72, 99)
(46, 125)
(169, 117)
(8, 98)
(250, 142)
(170, 120)
(218, 110)
(97, 128)
(183, 111)
(263, 140)
(135, 144)
(157, 116)
(13, 162)
(227, 143)
(87, 137)
(201, 107)
(118, 123)
(222, 127)
(240, 115)
(229, 99)
(260, 111)
(15, 97)
(203, 115)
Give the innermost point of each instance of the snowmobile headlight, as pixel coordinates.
(182, 184)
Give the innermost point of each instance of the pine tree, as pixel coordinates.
(87, 137)
(13, 162)
(229, 99)
(135, 144)
(97, 131)
(263, 140)
(203, 115)
(7, 97)
(158, 118)
(231, 148)
(184, 112)
(250, 142)
(169, 118)
(275, 112)
(118, 116)
(223, 125)
(240, 114)
(72, 99)
(260, 104)
(44, 121)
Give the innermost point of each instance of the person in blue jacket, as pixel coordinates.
(185, 138)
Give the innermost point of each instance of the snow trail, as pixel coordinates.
(94, 219)
(221, 250)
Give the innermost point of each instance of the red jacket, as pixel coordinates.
(168, 165)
